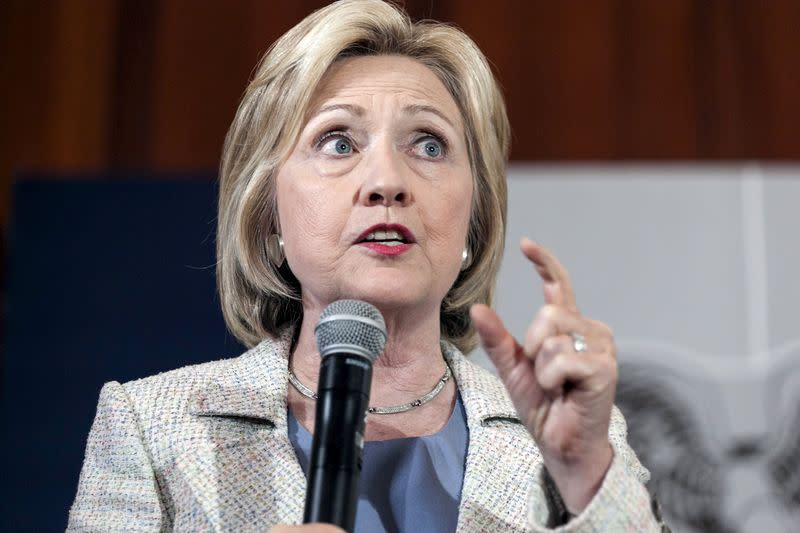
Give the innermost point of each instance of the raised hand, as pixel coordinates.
(563, 390)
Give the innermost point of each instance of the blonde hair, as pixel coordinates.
(258, 298)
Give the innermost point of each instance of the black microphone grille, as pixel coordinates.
(351, 326)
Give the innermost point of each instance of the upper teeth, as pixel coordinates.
(384, 236)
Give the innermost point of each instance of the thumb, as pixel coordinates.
(500, 345)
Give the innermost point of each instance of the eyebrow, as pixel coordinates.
(412, 109)
(422, 108)
(354, 109)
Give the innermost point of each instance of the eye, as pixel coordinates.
(430, 147)
(335, 143)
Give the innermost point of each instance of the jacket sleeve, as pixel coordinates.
(117, 490)
(621, 504)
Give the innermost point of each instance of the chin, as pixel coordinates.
(390, 295)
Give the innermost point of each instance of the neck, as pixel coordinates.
(409, 366)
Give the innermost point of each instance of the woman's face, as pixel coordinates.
(374, 200)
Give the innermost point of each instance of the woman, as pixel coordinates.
(367, 161)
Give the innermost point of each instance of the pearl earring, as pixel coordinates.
(275, 249)
(466, 259)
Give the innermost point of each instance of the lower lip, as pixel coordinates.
(386, 250)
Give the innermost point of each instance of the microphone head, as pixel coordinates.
(351, 326)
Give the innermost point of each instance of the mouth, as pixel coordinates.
(387, 235)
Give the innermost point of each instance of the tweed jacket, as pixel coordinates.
(206, 448)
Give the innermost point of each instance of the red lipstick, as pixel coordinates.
(380, 245)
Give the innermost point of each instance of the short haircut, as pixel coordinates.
(259, 298)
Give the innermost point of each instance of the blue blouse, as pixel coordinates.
(409, 484)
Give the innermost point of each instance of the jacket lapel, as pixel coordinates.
(501, 457)
(246, 473)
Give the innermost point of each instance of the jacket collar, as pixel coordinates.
(251, 386)
(484, 398)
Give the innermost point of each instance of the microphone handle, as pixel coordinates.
(337, 446)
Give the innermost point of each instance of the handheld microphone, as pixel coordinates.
(350, 336)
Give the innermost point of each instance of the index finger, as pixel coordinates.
(557, 284)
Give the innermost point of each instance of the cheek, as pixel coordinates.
(449, 216)
(310, 224)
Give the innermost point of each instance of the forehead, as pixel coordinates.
(365, 77)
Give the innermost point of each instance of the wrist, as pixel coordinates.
(579, 479)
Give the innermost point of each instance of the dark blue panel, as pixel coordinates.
(108, 280)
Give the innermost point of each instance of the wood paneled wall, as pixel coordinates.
(110, 84)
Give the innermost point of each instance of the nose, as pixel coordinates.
(385, 182)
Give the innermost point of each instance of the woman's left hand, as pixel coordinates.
(563, 396)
